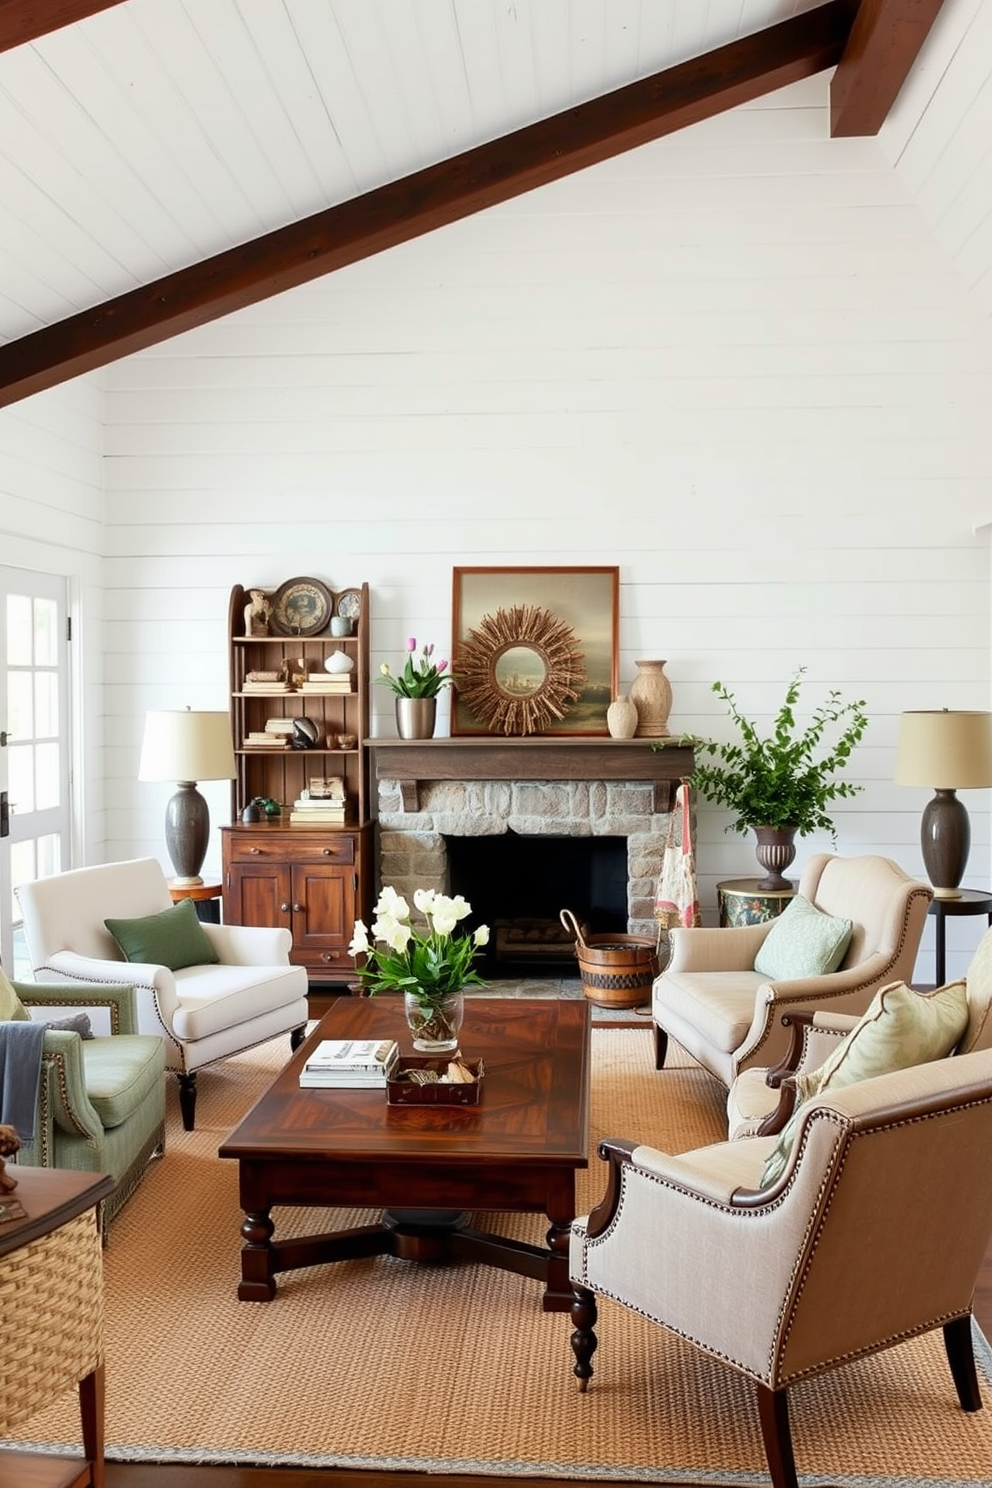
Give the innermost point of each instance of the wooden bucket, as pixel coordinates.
(616, 970)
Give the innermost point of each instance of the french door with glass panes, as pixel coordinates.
(34, 744)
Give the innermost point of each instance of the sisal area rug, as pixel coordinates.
(383, 1364)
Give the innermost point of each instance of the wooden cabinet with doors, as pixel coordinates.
(315, 882)
(313, 879)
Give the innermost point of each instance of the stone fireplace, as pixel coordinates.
(432, 790)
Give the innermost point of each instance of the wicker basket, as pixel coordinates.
(616, 970)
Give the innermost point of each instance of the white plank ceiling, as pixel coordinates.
(156, 133)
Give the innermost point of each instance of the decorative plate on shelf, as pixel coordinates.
(349, 604)
(301, 607)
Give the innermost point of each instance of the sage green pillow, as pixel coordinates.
(174, 938)
(899, 1028)
(12, 1009)
(803, 942)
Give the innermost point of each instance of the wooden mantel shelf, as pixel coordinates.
(410, 761)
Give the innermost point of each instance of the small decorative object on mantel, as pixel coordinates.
(431, 969)
(416, 688)
(651, 694)
(776, 785)
(621, 717)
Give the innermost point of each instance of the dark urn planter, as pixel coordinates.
(775, 850)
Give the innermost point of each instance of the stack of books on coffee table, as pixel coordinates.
(351, 1063)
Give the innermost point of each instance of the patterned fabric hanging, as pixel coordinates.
(677, 897)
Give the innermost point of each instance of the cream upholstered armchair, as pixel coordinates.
(761, 1101)
(728, 1016)
(239, 991)
(778, 1282)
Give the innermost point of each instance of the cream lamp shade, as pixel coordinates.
(947, 751)
(186, 747)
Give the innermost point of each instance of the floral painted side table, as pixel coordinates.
(741, 902)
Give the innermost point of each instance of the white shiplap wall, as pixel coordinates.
(735, 363)
(939, 136)
(52, 521)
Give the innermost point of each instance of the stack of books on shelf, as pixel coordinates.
(351, 1063)
(326, 682)
(263, 739)
(323, 804)
(254, 683)
(283, 726)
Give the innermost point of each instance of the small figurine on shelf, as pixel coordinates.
(257, 613)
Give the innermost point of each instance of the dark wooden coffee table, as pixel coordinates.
(427, 1167)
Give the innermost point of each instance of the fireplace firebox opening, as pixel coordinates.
(517, 884)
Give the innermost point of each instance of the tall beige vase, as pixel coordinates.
(651, 694)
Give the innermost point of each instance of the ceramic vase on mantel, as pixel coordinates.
(651, 694)
(435, 1025)
(621, 718)
(775, 850)
(415, 717)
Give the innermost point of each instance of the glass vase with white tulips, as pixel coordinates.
(431, 965)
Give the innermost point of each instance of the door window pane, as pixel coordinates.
(46, 781)
(18, 630)
(46, 641)
(20, 777)
(46, 705)
(49, 855)
(20, 713)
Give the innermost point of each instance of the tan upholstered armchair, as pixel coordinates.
(205, 1012)
(779, 1283)
(762, 1100)
(729, 1017)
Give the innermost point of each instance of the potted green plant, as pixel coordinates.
(781, 785)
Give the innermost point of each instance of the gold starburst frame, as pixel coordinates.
(520, 710)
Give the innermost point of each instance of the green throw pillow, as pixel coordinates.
(802, 942)
(12, 1009)
(174, 938)
(898, 1029)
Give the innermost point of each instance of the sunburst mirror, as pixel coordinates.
(520, 670)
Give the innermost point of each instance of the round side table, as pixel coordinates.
(741, 902)
(968, 902)
(206, 899)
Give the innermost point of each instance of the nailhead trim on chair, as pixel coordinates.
(894, 1338)
(826, 1364)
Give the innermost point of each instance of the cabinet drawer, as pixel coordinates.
(292, 848)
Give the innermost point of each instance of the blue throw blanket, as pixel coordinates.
(20, 1075)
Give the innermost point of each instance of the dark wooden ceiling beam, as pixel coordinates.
(22, 20)
(428, 199)
(885, 41)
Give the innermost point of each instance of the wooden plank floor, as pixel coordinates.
(121, 1475)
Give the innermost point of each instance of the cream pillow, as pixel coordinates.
(802, 942)
(899, 1028)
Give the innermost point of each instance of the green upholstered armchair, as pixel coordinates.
(101, 1100)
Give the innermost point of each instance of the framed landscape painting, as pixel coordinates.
(534, 650)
